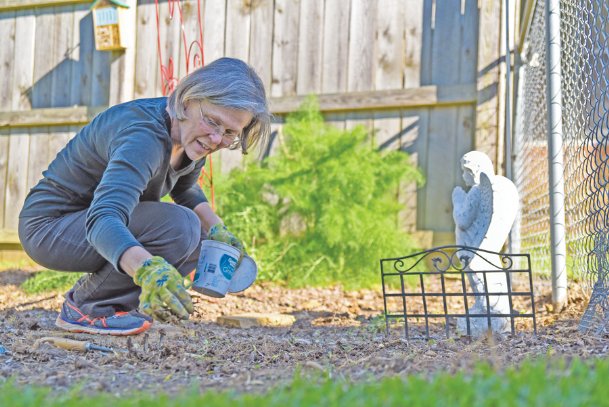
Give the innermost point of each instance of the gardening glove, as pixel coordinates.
(163, 296)
(220, 233)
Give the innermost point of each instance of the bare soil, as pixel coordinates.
(337, 333)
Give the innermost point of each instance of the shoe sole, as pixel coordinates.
(60, 323)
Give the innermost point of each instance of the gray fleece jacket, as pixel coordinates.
(118, 160)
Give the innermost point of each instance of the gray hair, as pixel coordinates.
(227, 82)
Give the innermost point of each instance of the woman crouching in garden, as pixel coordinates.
(97, 208)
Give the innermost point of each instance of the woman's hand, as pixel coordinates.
(163, 296)
(220, 233)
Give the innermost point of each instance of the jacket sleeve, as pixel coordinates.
(133, 159)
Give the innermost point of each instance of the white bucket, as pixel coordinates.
(216, 275)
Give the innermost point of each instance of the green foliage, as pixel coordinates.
(539, 383)
(323, 209)
(48, 280)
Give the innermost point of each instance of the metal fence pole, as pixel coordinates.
(508, 99)
(519, 96)
(555, 155)
(509, 156)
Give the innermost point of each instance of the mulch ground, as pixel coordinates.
(339, 334)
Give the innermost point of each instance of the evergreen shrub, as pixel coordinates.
(323, 209)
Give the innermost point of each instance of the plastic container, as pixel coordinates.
(216, 274)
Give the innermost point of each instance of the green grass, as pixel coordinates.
(24, 263)
(539, 383)
(48, 280)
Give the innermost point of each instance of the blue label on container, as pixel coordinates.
(227, 266)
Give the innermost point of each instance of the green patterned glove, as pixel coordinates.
(163, 296)
(220, 233)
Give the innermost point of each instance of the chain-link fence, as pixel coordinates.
(584, 56)
(530, 148)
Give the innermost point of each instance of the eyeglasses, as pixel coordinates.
(230, 138)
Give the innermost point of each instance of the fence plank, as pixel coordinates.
(389, 56)
(335, 53)
(446, 60)
(261, 42)
(9, 240)
(427, 34)
(470, 20)
(440, 169)
(389, 44)
(63, 95)
(4, 145)
(285, 47)
(23, 61)
(8, 35)
(85, 61)
(38, 157)
(382, 99)
(487, 114)
(15, 187)
(310, 47)
(7, 5)
(412, 134)
(169, 35)
(77, 56)
(193, 36)
(413, 141)
(421, 146)
(49, 117)
(468, 73)
(16, 180)
(78, 68)
(413, 42)
(61, 74)
(41, 93)
(360, 72)
(122, 63)
(146, 62)
(237, 29)
(442, 121)
(238, 22)
(43, 64)
(213, 29)
(100, 78)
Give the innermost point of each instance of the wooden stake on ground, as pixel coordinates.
(255, 320)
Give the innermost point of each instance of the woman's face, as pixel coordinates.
(209, 127)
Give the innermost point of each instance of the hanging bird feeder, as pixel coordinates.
(109, 24)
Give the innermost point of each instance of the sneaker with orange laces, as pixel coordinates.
(121, 323)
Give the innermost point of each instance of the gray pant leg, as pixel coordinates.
(170, 231)
(175, 236)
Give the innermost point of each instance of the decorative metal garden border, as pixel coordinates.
(447, 262)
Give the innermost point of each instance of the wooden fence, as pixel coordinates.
(415, 71)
